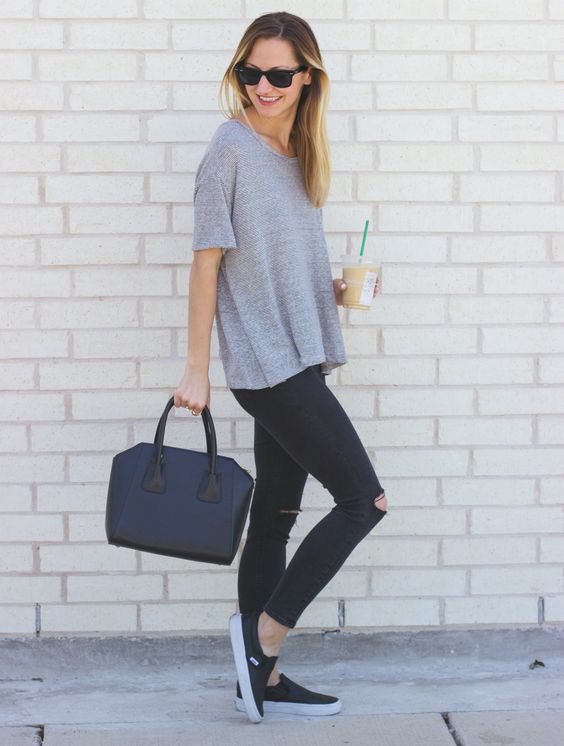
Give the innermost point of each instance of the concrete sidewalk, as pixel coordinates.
(425, 688)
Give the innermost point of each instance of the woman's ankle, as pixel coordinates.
(271, 634)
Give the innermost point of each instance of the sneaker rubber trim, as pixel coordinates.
(240, 655)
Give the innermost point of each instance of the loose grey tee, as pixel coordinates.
(276, 312)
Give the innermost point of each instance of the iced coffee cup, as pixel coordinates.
(360, 273)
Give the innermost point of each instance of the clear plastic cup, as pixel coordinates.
(360, 277)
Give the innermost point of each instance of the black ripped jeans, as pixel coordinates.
(300, 429)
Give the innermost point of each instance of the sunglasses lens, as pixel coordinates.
(248, 76)
(279, 78)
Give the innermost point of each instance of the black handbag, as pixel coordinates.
(177, 502)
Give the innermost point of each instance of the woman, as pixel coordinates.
(261, 258)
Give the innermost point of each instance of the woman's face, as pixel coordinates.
(266, 54)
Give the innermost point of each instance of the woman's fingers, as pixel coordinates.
(192, 400)
(339, 287)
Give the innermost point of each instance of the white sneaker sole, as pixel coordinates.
(238, 645)
(294, 708)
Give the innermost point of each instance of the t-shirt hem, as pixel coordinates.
(223, 244)
(330, 365)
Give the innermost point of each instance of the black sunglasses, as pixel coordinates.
(277, 78)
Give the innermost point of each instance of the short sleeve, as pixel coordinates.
(213, 199)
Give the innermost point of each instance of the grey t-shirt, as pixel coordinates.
(276, 312)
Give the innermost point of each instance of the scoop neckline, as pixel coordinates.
(262, 142)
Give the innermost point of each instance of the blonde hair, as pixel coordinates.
(309, 132)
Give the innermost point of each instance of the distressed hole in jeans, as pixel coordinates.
(292, 515)
(384, 505)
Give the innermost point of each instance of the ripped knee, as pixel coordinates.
(381, 501)
(286, 520)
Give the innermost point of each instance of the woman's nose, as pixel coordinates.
(263, 86)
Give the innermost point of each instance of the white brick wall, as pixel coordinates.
(447, 131)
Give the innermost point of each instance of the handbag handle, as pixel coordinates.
(154, 478)
(211, 440)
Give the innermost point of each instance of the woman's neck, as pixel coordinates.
(277, 133)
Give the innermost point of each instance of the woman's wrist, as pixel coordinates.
(197, 366)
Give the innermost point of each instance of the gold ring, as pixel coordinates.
(194, 413)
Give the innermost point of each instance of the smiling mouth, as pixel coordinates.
(268, 99)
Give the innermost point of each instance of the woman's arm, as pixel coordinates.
(193, 391)
(202, 297)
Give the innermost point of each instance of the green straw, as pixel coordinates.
(363, 241)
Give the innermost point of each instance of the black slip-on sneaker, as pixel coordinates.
(291, 698)
(253, 666)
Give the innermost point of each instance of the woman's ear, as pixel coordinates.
(307, 80)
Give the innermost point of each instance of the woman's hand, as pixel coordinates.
(193, 391)
(339, 287)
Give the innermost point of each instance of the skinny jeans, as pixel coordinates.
(300, 428)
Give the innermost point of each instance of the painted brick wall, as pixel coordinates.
(447, 130)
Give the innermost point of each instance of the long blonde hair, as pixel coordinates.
(309, 132)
